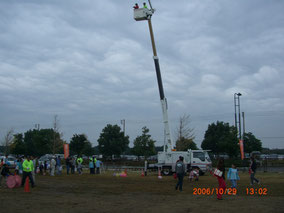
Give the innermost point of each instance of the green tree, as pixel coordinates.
(221, 138)
(251, 143)
(88, 149)
(183, 144)
(144, 145)
(7, 141)
(36, 142)
(112, 141)
(79, 145)
(18, 146)
(40, 142)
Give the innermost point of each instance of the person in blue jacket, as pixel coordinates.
(233, 176)
(91, 166)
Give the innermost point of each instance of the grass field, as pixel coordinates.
(107, 193)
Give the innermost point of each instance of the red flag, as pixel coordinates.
(242, 149)
(66, 150)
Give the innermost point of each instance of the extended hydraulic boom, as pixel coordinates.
(146, 14)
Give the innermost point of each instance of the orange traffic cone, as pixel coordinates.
(142, 173)
(159, 174)
(27, 185)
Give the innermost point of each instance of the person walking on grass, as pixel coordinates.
(252, 171)
(58, 165)
(180, 171)
(45, 167)
(98, 166)
(91, 166)
(33, 159)
(221, 179)
(219, 173)
(73, 165)
(28, 167)
(68, 164)
(79, 162)
(4, 173)
(52, 166)
(233, 176)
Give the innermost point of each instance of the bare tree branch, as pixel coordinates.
(184, 130)
(8, 139)
(56, 133)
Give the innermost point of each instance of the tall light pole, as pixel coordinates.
(238, 120)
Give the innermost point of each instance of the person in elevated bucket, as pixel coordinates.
(145, 5)
(136, 6)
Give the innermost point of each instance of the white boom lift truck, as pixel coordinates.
(167, 159)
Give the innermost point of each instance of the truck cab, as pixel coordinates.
(200, 159)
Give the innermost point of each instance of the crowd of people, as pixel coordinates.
(219, 173)
(29, 166)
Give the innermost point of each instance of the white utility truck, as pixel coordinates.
(192, 159)
(168, 158)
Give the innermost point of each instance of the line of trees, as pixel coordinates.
(220, 138)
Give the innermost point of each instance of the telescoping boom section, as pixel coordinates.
(146, 14)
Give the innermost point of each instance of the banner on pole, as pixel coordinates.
(66, 150)
(242, 149)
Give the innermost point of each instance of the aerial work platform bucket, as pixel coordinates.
(142, 14)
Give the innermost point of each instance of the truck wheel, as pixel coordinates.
(166, 171)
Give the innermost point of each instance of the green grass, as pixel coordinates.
(108, 193)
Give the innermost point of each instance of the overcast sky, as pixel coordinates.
(90, 63)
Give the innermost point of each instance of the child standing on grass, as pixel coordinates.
(233, 176)
(91, 166)
(194, 174)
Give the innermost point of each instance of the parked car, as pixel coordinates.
(46, 158)
(10, 161)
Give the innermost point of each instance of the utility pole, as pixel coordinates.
(55, 130)
(123, 124)
(244, 130)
